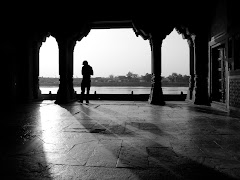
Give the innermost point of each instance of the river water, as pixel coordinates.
(118, 90)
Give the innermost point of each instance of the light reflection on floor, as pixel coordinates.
(129, 140)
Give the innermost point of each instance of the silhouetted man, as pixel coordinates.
(87, 71)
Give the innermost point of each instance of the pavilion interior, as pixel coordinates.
(61, 139)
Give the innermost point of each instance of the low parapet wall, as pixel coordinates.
(122, 97)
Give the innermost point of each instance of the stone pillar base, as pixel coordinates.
(190, 88)
(189, 94)
(200, 97)
(39, 94)
(200, 91)
(65, 94)
(156, 96)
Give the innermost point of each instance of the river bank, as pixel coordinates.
(124, 84)
(117, 90)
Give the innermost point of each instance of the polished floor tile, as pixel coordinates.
(119, 140)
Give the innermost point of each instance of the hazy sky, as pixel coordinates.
(116, 52)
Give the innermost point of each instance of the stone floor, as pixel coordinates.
(119, 140)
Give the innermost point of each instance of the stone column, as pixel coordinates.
(27, 82)
(70, 74)
(200, 92)
(156, 94)
(65, 92)
(36, 89)
(24, 71)
(191, 67)
(8, 73)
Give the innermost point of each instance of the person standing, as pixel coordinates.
(87, 71)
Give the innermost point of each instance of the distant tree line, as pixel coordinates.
(130, 79)
(174, 77)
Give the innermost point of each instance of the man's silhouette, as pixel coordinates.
(87, 71)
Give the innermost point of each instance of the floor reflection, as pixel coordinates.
(120, 140)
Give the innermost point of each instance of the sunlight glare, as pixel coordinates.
(49, 58)
(113, 52)
(175, 55)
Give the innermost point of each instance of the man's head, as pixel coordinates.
(85, 62)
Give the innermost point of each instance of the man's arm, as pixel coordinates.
(91, 73)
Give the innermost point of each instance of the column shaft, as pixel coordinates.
(24, 75)
(200, 92)
(156, 94)
(65, 92)
(191, 67)
(36, 89)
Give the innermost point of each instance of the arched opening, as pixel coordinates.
(120, 61)
(49, 66)
(175, 64)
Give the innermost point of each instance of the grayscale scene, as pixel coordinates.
(121, 91)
